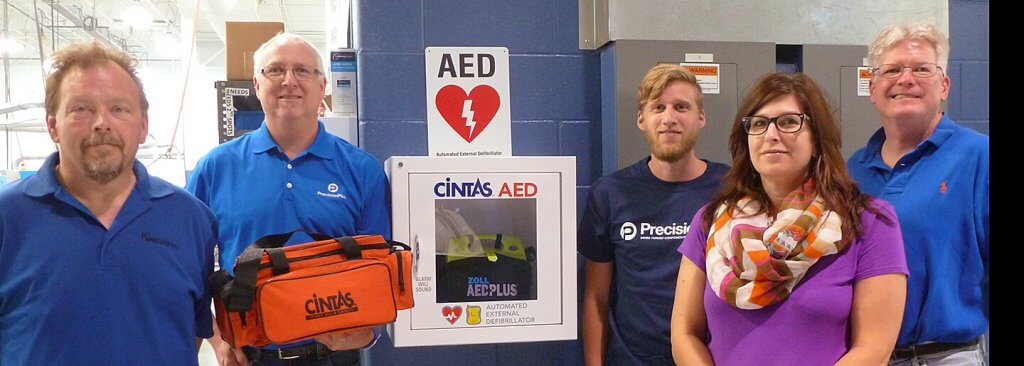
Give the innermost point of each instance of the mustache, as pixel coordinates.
(102, 138)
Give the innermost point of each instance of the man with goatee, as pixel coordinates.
(101, 263)
(635, 219)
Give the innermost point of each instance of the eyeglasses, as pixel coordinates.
(892, 71)
(277, 72)
(788, 123)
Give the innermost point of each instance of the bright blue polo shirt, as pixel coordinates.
(333, 188)
(75, 293)
(941, 194)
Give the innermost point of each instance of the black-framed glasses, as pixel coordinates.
(788, 123)
(277, 72)
(892, 71)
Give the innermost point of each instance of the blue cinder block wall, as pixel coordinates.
(968, 63)
(555, 99)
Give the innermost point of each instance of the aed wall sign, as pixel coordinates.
(468, 109)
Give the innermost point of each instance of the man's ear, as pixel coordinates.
(51, 128)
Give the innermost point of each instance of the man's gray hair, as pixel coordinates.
(281, 39)
(896, 33)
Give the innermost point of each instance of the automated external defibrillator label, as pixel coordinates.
(486, 241)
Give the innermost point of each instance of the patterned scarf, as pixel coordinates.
(753, 263)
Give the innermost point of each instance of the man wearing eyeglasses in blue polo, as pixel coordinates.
(936, 174)
(288, 174)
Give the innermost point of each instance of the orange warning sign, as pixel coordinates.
(703, 70)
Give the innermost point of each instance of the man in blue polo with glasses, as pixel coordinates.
(936, 174)
(288, 174)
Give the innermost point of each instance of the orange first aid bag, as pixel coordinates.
(284, 294)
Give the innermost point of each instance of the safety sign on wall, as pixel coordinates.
(863, 81)
(709, 76)
(493, 245)
(468, 107)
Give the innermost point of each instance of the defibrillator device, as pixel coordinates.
(499, 268)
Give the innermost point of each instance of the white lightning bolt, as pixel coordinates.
(468, 114)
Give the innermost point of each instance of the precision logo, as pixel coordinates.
(646, 231)
(627, 231)
(322, 307)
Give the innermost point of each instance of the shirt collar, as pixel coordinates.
(45, 181)
(942, 132)
(321, 147)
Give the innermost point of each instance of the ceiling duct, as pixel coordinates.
(88, 24)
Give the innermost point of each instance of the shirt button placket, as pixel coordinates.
(290, 195)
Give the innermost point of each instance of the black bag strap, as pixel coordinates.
(278, 240)
(218, 280)
(351, 247)
(247, 266)
(278, 261)
(400, 245)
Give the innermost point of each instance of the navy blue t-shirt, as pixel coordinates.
(637, 221)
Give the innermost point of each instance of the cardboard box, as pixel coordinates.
(243, 38)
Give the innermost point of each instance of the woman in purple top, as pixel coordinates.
(790, 264)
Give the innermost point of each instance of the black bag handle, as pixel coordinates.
(278, 240)
(242, 292)
(352, 249)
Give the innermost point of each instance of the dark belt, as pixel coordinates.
(921, 350)
(310, 351)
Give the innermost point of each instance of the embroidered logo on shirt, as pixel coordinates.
(942, 187)
(155, 240)
(333, 189)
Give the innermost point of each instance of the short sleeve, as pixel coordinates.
(592, 239)
(880, 245)
(696, 241)
(376, 215)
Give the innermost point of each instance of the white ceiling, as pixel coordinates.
(65, 21)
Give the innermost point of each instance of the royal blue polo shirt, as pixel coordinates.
(332, 188)
(941, 194)
(73, 292)
(254, 190)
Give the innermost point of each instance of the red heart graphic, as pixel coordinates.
(451, 314)
(455, 106)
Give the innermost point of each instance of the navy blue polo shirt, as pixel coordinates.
(254, 190)
(941, 194)
(637, 221)
(73, 292)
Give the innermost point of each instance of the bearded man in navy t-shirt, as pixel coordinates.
(635, 219)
